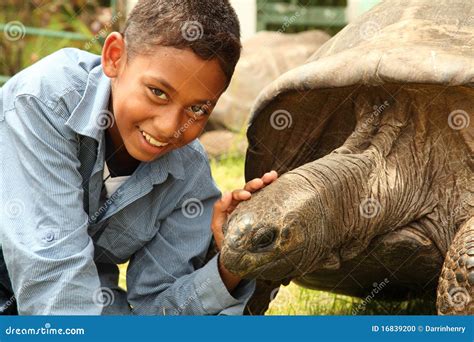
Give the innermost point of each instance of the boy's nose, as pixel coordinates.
(168, 123)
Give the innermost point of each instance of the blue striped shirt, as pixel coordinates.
(62, 239)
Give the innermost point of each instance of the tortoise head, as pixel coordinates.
(269, 236)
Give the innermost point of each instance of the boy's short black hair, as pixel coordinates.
(210, 28)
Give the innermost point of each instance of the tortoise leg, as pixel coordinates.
(455, 288)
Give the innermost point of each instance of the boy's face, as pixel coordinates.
(167, 95)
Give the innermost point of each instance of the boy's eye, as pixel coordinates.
(200, 110)
(159, 93)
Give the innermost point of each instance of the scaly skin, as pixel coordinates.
(455, 288)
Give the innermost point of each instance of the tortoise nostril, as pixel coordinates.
(265, 239)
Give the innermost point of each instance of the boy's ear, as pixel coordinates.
(113, 54)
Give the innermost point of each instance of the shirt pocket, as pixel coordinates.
(121, 238)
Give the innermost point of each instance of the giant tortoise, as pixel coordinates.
(374, 142)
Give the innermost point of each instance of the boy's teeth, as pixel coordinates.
(153, 141)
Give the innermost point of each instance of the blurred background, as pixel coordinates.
(33, 29)
(277, 36)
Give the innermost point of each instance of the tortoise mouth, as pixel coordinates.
(246, 265)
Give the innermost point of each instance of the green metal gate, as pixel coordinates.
(299, 15)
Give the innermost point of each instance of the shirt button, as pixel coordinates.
(49, 236)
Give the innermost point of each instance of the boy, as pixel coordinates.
(133, 114)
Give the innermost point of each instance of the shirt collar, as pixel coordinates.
(86, 120)
(171, 162)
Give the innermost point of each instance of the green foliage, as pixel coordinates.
(85, 17)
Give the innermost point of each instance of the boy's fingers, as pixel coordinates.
(258, 183)
(223, 203)
(244, 194)
(219, 216)
(253, 185)
(237, 196)
(240, 195)
(269, 177)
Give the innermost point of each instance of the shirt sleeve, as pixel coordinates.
(46, 247)
(168, 275)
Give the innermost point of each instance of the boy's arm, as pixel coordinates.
(43, 227)
(225, 206)
(167, 276)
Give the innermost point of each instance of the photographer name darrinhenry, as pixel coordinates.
(444, 328)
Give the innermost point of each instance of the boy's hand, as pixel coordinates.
(228, 202)
(222, 209)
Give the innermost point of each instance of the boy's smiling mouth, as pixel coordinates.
(152, 141)
(150, 145)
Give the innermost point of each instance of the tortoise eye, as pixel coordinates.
(265, 239)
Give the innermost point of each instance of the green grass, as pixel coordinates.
(228, 173)
(295, 300)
